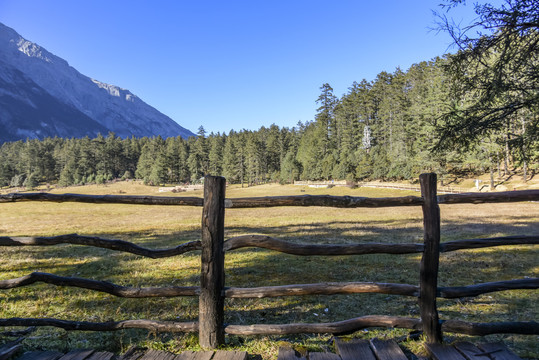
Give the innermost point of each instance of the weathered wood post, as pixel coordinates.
(212, 276)
(428, 274)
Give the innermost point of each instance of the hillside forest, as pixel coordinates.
(384, 129)
(472, 112)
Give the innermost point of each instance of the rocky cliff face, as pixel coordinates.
(41, 95)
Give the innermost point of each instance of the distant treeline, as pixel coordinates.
(383, 129)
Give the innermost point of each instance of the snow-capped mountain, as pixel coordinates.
(41, 95)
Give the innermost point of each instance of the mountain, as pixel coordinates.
(41, 95)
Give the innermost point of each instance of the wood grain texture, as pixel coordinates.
(77, 355)
(468, 350)
(387, 350)
(488, 242)
(157, 326)
(323, 356)
(157, 355)
(271, 201)
(322, 200)
(230, 355)
(101, 286)
(340, 327)
(482, 329)
(287, 353)
(117, 245)
(491, 197)
(478, 289)
(328, 288)
(101, 355)
(267, 242)
(212, 272)
(428, 273)
(194, 355)
(444, 352)
(133, 353)
(41, 355)
(354, 349)
(103, 199)
(498, 351)
(190, 355)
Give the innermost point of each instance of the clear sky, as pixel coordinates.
(232, 64)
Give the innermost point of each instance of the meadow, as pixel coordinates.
(168, 226)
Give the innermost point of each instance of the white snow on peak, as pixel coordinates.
(116, 91)
(33, 50)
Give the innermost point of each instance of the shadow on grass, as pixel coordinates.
(259, 267)
(273, 267)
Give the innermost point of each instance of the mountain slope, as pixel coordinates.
(41, 95)
(28, 111)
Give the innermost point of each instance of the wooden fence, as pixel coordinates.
(212, 290)
(380, 185)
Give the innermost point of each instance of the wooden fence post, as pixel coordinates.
(428, 275)
(212, 276)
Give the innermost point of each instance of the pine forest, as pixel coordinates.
(472, 112)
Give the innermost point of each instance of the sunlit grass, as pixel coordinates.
(168, 226)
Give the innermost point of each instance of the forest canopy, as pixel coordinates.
(467, 113)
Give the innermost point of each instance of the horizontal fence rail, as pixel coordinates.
(117, 245)
(267, 242)
(157, 326)
(104, 199)
(483, 198)
(337, 328)
(322, 200)
(488, 242)
(352, 325)
(101, 286)
(328, 288)
(273, 201)
(478, 289)
(212, 291)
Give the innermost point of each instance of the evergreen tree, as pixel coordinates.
(198, 158)
(254, 158)
(290, 168)
(309, 151)
(151, 167)
(215, 156)
(231, 161)
(496, 72)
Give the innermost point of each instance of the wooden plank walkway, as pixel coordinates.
(377, 349)
(131, 354)
(355, 349)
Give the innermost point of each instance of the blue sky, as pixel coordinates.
(232, 64)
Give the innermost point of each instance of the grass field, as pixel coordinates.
(164, 227)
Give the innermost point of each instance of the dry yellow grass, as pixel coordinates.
(167, 226)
